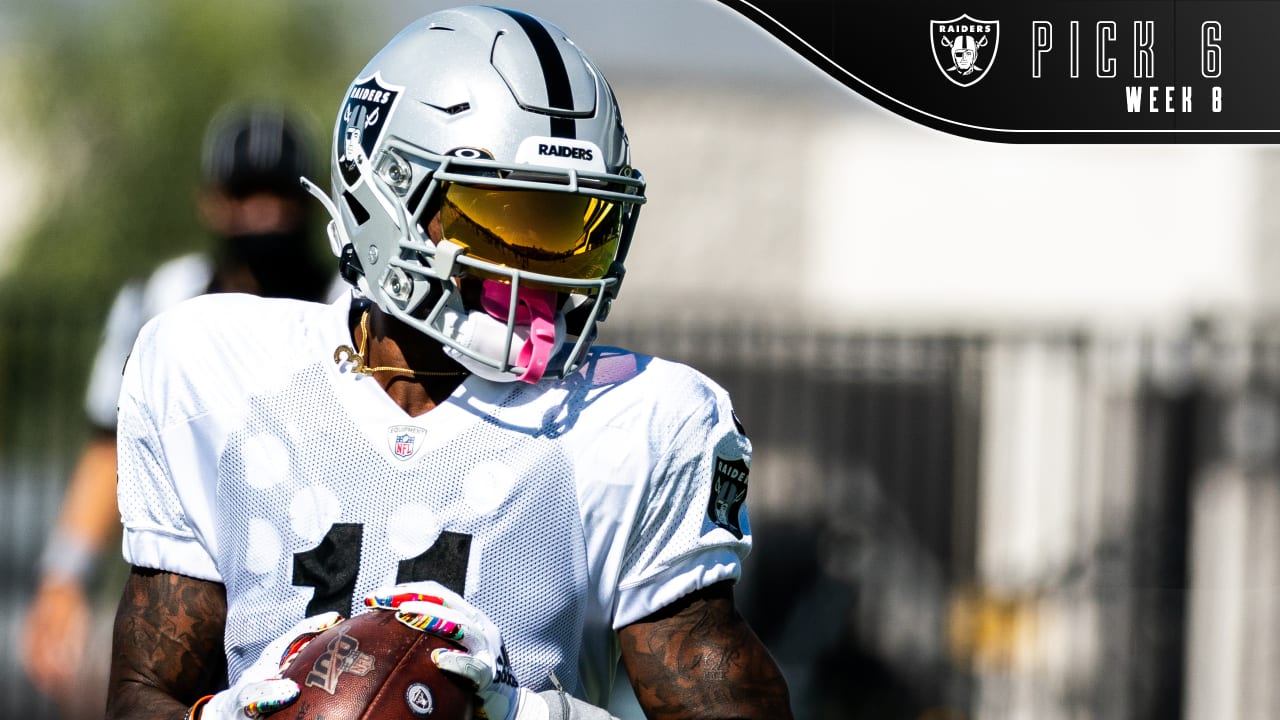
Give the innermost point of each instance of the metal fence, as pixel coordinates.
(1021, 524)
(988, 525)
(42, 374)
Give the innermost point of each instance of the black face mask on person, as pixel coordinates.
(281, 263)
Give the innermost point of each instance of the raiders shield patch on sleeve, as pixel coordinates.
(728, 492)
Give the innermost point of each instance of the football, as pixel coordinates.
(372, 667)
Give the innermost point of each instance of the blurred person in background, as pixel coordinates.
(252, 203)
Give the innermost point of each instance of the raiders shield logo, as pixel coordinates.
(728, 492)
(964, 48)
(369, 104)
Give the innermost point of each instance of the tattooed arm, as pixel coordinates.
(167, 645)
(698, 658)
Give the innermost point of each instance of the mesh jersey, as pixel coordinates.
(564, 510)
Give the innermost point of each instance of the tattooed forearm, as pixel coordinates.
(700, 659)
(167, 645)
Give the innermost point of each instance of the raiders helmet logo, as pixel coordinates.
(964, 48)
(369, 104)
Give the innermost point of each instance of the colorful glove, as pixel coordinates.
(260, 690)
(433, 608)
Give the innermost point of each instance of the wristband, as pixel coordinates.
(68, 557)
(193, 713)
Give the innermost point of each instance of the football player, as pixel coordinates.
(251, 203)
(447, 443)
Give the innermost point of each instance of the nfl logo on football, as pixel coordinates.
(964, 48)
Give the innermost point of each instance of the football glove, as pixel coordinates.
(431, 607)
(260, 690)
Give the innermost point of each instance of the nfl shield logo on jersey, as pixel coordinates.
(404, 440)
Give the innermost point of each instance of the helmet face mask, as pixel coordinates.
(506, 163)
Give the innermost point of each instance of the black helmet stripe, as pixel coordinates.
(559, 92)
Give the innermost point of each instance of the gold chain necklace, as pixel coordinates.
(345, 353)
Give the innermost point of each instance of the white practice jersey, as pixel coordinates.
(565, 510)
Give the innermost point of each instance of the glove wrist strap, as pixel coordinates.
(193, 713)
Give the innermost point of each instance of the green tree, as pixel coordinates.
(108, 102)
(120, 93)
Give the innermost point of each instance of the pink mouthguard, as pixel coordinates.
(535, 308)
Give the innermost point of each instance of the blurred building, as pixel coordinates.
(1014, 407)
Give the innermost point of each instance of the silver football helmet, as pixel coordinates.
(482, 190)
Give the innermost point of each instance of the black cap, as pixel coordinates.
(256, 148)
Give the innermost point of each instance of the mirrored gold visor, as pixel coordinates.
(554, 233)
